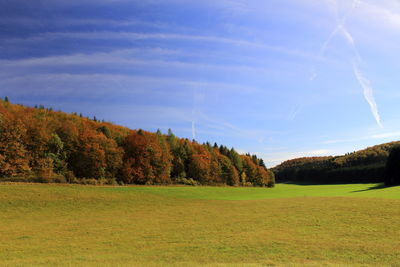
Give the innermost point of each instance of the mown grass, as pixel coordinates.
(290, 225)
(280, 191)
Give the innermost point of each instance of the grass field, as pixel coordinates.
(290, 225)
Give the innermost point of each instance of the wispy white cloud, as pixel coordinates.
(50, 83)
(207, 124)
(386, 135)
(130, 57)
(336, 141)
(134, 36)
(381, 13)
(382, 136)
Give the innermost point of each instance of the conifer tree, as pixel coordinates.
(392, 172)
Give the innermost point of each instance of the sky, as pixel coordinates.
(280, 79)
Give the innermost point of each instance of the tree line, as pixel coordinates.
(369, 165)
(39, 144)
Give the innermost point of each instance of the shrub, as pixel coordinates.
(70, 177)
(89, 181)
(111, 181)
(187, 181)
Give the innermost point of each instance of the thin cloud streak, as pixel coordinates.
(382, 136)
(117, 58)
(224, 128)
(193, 130)
(101, 78)
(134, 36)
(386, 135)
(384, 16)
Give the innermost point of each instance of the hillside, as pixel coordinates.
(367, 165)
(39, 144)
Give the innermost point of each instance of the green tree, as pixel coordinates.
(236, 160)
(392, 171)
(56, 154)
(105, 130)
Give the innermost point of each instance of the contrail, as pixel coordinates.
(193, 126)
(194, 91)
(368, 93)
(362, 80)
(348, 36)
(326, 43)
(350, 40)
(294, 112)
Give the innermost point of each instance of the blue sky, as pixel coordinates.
(280, 79)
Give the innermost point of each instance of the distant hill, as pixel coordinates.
(39, 144)
(365, 165)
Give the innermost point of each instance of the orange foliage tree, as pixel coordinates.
(146, 161)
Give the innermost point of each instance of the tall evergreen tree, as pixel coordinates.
(392, 172)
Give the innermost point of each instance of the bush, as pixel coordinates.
(89, 181)
(70, 177)
(187, 181)
(16, 179)
(271, 184)
(112, 181)
(59, 179)
(247, 184)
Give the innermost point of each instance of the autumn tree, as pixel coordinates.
(145, 161)
(14, 157)
(255, 174)
(200, 162)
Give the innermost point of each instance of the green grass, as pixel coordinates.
(290, 225)
(280, 191)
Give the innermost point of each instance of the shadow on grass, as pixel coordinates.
(329, 183)
(375, 187)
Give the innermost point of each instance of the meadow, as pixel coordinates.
(289, 225)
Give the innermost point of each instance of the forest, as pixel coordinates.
(38, 144)
(364, 166)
